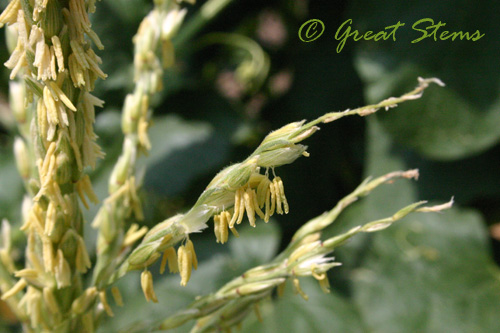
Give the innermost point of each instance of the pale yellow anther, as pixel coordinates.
(325, 284)
(224, 223)
(185, 264)
(117, 296)
(281, 289)
(298, 290)
(256, 205)
(217, 226)
(56, 43)
(27, 273)
(235, 232)
(53, 73)
(105, 304)
(268, 205)
(249, 207)
(9, 15)
(84, 301)
(94, 65)
(147, 286)
(134, 234)
(60, 95)
(262, 190)
(282, 194)
(50, 106)
(277, 193)
(273, 199)
(237, 201)
(171, 258)
(82, 260)
(43, 124)
(192, 253)
(20, 285)
(241, 212)
(79, 54)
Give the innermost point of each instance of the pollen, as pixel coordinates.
(147, 286)
(105, 304)
(186, 260)
(170, 257)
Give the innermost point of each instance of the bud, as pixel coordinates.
(256, 287)
(62, 271)
(17, 95)
(239, 175)
(22, 158)
(69, 245)
(64, 160)
(144, 254)
(172, 23)
(131, 113)
(281, 156)
(85, 301)
(299, 136)
(283, 133)
(51, 20)
(121, 170)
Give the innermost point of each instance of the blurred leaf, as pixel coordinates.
(12, 190)
(428, 273)
(445, 124)
(442, 124)
(255, 246)
(181, 150)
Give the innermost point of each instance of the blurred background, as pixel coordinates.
(246, 72)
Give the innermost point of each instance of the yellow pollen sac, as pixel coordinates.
(171, 257)
(221, 222)
(239, 208)
(184, 262)
(117, 296)
(105, 304)
(249, 207)
(190, 249)
(217, 227)
(299, 290)
(147, 286)
(325, 284)
(277, 196)
(20, 285)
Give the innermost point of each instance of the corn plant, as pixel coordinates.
(54, 65)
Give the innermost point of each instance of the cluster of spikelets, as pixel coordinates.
(260, 192)
(237, 191)
(54, 60)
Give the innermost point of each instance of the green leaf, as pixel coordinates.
(442, 125)
(446, 124)
(429, 272)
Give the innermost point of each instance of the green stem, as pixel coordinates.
(207, 12)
